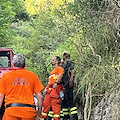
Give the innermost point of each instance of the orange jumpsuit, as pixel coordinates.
(19, 86)
(52, 98)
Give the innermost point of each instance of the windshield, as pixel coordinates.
(5, 59)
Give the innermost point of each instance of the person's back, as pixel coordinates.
(19, 86)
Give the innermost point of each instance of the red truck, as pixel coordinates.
(6, 55)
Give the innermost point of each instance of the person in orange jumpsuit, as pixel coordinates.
(19, 86)
(53, 89)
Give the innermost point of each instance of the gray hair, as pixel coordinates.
(19, 60)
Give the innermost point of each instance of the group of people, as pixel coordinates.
(19, 86)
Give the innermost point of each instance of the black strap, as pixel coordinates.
(20, 105)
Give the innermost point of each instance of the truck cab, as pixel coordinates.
(6, 55)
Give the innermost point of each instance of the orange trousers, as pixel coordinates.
(55, 103)
(9, 117)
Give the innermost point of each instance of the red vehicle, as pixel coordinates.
(6, 55)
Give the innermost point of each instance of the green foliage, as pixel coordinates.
(83, 29)
(93, 49)
(6, 16)
(8, 10)
(43, 25)
(21, 13)
(102, 79)
(29, 42)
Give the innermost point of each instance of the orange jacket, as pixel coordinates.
(19, 86)
(53, 77)
(55, 74)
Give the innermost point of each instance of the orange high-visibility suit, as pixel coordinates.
(52, 98)
(19, 86)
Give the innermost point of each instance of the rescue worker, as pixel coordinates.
(51, 114)
(19, 86)
(53, 89)
(68, 82)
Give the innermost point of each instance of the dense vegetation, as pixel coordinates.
(88, 29)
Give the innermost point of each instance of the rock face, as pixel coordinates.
(108, 108)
